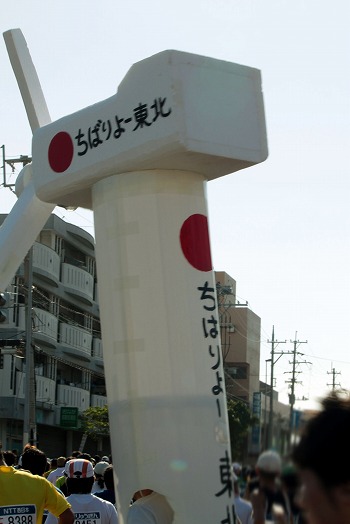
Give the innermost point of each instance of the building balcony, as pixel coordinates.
(98, 401)
(97, 351)
(78, 282)
(45, 327)
(45, 390)
(46, 263)
(75, 341)
(72, 396)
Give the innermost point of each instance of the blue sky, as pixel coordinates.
(281, 229)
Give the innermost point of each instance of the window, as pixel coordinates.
(238, 371)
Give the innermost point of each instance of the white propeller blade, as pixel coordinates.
(20, 229)
(29, 214)
(27, 79)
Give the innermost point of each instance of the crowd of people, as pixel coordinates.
(79, 487)
(313, 487)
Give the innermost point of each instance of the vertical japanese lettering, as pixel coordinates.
(209, 296)
(225, 476)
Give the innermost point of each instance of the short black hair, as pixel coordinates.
(9, 457)
(85, 456)
(324, 444)
(80, 486)
(34, 460)
(109, 478)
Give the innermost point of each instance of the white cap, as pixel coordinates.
(270, 462)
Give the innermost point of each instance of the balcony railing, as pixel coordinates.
(97, 348)
(78, 281)
(45, 323)
(45, 389)
(72, 396)
(46, 262)
(75, 340)
(98, 401)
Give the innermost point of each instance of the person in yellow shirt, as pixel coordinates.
(23, 498)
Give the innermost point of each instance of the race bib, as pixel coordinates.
(19, 514)
(87, 518)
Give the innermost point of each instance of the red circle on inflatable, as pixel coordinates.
(61, 152)
(194, 240)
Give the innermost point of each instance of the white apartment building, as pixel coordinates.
(66, 341)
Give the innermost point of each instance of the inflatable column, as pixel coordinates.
(140, 160)
(162, 356)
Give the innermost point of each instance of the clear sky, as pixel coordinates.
(280, 229)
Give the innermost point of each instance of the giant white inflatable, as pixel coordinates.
(140, 160)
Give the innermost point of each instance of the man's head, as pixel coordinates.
(269, 464)
(34, 460)
(85, 456)
(323, 459)
(237, 468)
(53, 463)
(108, 478)
(61, 462)
(100, 468)
(324, 445)
(10, 458)
(80, 476)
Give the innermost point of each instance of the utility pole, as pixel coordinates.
(266, 431)
(334, 373)
(292, 382)
(274, 343)
(22, 159)
(29, 420)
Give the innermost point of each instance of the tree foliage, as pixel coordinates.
(95, 422)
(240, 420)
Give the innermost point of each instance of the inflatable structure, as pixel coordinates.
(141, 160)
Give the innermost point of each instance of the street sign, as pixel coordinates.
(69, 418)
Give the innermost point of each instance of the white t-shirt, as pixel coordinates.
(88, 508)
(153, 509)
(97, 487)
(244, 510)
(55, 474)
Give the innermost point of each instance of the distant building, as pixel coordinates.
(240, 340)
(66, 340)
